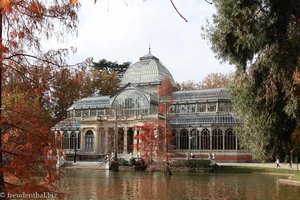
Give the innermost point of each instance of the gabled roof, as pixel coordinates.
(67, 124)
(206, 119)
(214, 93)
(91, 102)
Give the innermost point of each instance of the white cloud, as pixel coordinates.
(122, 34)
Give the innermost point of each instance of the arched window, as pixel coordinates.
(184, 139)
(217, 139)
(72, 140)
(194, 138)
(205, 139)
(133, 102)
(230, 139)
(89, 140)
(174, 140)
(66, 140)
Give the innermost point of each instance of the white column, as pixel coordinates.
(100, 141)
(76, 141)
(106, 140)
(223, 134)
(96, 138)
(69, 139)
(82, 140)
(210, 139)
(236, 143)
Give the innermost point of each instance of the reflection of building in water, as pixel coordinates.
(202, 120)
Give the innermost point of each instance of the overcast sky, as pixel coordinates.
(119, 30)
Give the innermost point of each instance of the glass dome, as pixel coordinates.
(148, 70)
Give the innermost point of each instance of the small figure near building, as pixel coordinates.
(192, 155)
(213, 156)
(277, 162)
(209, 156)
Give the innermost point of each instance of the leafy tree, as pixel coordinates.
(102, 83)
(188, 85)
(27, 145)
(212, 80)
(296, 139)
(66, 87)
(23, 24)
(165, 93)
(261, 38)
(216, 80)
(152, 141)
(109, 67)
(107, 76)
(156, 135)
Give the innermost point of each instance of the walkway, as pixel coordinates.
(267, 165)
(86, 165)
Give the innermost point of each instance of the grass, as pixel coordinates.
(297, 176)
(250, 169)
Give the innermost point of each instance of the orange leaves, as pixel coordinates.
(76, 1)
(5, 5)
(73, 1)
(28, 143)
(36, 7)
(165, 93)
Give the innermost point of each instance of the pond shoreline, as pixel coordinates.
(262, 168)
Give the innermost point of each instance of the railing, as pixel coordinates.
(80, 151)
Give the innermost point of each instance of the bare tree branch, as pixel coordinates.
(209, 2)
(178, 12)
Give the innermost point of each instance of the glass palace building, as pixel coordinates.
(202, 121)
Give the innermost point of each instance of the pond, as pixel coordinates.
(103, 184)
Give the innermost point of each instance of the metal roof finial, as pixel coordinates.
(149, 46)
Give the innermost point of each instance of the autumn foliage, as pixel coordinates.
(165, 93)
(27, 145)
(155, 136)
(212, 80)
(152, 141)
(27, 159)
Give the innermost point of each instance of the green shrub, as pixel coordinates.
(123, 162)
(114, 166)
(132, 162)
(193, 163)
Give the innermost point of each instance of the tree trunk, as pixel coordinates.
(1, 66)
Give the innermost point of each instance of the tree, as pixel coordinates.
(262, 39)
(216, 80)
(188, 85)
(105, 82)
(152, 141)
(212, 80)
(23, 24)
(108, 76)
(28, 145)
(296, 139)
(107, 66)
(165, 93)
(66, 88)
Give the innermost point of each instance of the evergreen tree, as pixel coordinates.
(261, 37)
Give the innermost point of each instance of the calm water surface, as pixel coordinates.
(103, 184)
